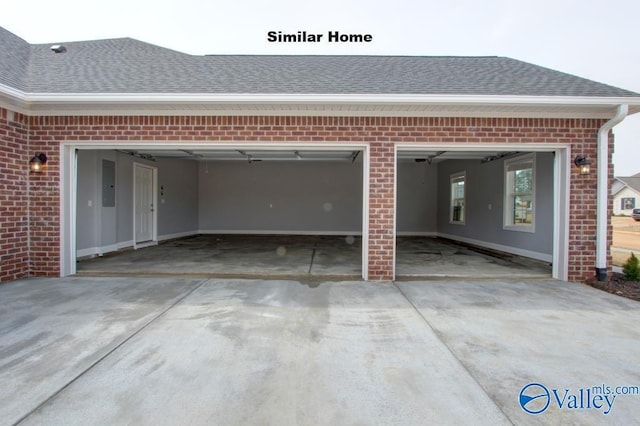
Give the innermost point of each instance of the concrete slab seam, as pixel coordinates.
(103, 357)
(313, 255)
(448, 348)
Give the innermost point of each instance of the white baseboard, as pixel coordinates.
(97, 251)
(91, 251)
(177, 235)
(275, 232)
(499, 247)
(125, 244)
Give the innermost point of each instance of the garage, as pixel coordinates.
(478, 213)
(128, 95)
(224, 211)
(285, 211)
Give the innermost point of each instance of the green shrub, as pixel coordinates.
(631, 269)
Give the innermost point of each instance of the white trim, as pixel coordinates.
(68, 195)
(366, 169)
(219, 145)
(145, 244)
(177, 235)
(452, 176)
(332, 98)
(68, 182)
(107, 249)
(560, 256)
(91, 251)
(507, 194)
(478, 147)
(154, 198)
(125, 244)
(499, 247)
(395, 209)
(414, 105)
(98, 251)
(562, 189)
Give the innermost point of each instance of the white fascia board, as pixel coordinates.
(146, 98)
(35, 103)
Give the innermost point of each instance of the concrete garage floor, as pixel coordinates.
(437, 257)
(300, 256)
(85, 350)
(238, 256)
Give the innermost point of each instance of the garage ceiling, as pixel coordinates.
(433, 157)
(251, 155)
(246, 155)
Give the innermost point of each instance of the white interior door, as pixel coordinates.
(144, 214)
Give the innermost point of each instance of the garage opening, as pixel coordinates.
(491, 213)
(220, 212)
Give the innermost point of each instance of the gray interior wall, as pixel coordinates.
(305, 197)
(108, 214)
(124, 197)
(96, 223)
(281, 196)
(485, 201)
(177, 197)
(417, 190)
(86, 203)
(105, 228)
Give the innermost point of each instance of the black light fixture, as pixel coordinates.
(583, 164)
(37, 163)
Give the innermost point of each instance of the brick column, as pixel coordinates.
(14, 176)
(381, 211)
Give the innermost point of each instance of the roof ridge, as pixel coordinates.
(113, 39)
(347, 56)
(129, 65)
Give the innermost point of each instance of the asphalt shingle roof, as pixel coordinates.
(632, 182)
(131, 66)
(14, 60)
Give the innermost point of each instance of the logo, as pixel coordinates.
(534, 398)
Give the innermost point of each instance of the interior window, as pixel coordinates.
(520, 193)
(457, 214)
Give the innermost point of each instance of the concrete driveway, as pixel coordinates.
(229, 352)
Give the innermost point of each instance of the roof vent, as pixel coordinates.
(58, 48)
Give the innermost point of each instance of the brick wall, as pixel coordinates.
(381, 132)
(14, 233)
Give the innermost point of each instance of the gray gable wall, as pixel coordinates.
(131, 66)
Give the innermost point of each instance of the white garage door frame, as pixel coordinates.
(562, 176)
(68, 182)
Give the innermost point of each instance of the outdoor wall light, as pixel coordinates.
(37, 163)
(583, 164)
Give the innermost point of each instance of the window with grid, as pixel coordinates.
(628, 203)
(457, 213)
(520, 193)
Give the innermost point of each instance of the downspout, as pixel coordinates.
(602, 218)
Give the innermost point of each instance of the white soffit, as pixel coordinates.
(311, 104)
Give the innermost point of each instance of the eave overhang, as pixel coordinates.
(72, 104)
